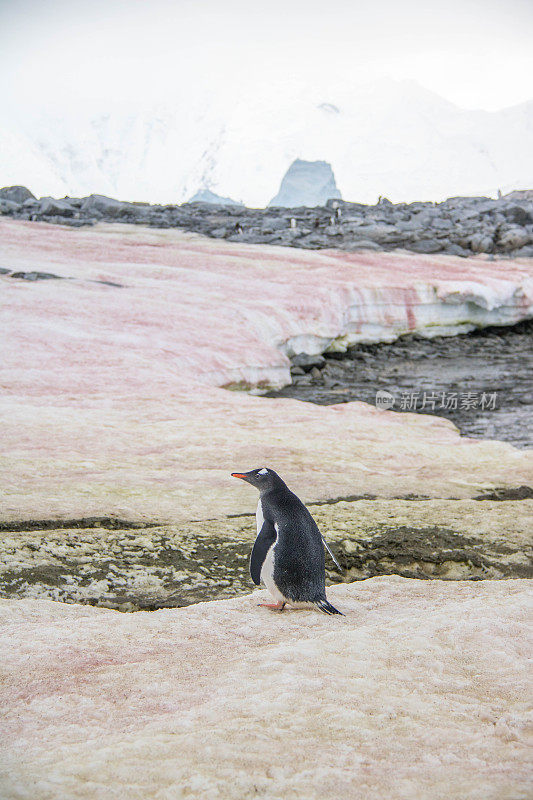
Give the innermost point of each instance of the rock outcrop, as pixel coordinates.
(16, 194)
(307, 183)
(459, 226)
(480, 381)
(421, 686)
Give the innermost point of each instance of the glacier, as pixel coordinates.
(390, 138)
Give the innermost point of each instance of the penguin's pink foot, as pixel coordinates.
(274, 606)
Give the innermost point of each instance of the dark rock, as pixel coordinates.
(8, 207)
(314, 241)
(307, 362)
(427, 246)
(271, 224)
(110, 283)
(456, 250)
(100, 205)
(360, 244)
(440, 224)
(514, 238)
(520, 195)
(382, 234)
(59, 208)
(519, 215)
(490, 360)
(36, 276)
(458, 226)
(524, 252)
(17, 194)
(480, 243)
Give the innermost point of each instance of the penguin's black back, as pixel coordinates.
(299, 564)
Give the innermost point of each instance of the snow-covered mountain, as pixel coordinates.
(394, 139)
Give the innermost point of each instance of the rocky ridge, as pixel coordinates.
(459, 226)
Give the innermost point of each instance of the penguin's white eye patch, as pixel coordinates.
(263, 471)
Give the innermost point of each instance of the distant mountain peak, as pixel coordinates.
(307, 183)
(207, 196)
(391, 138)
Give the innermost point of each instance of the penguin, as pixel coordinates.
(288, 553)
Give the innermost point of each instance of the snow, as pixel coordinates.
(387, 138)
(112, 402)
(422, 686)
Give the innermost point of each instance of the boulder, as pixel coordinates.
(382, 234)
(36, 276)
(218, 233)
(427, 246)
(361, 244)
(453, 249)
(8, 207)
(514, 239)
(18, 194)
(524, 252)
(520, 195)
(481, 243)
(518, 215)
(59, 208)
(442, 224)
(100, 205)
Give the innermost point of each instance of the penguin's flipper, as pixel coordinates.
(327, 608)
(265, 539)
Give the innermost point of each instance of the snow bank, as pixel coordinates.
(419, 691)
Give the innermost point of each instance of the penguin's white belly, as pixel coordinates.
(267, 569)
(267, 574)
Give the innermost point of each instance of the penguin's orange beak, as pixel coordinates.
(238, 475)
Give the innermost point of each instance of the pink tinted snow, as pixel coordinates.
(110, 393)
(420, 692)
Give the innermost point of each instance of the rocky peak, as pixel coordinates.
(307, 183)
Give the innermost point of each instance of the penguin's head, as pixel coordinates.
(262, 478)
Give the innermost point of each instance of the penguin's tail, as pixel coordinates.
(326, 607)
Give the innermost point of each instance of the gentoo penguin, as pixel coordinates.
(288, 554)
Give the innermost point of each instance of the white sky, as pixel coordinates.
(476, 53)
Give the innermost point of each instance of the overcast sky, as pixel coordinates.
(475, 53)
